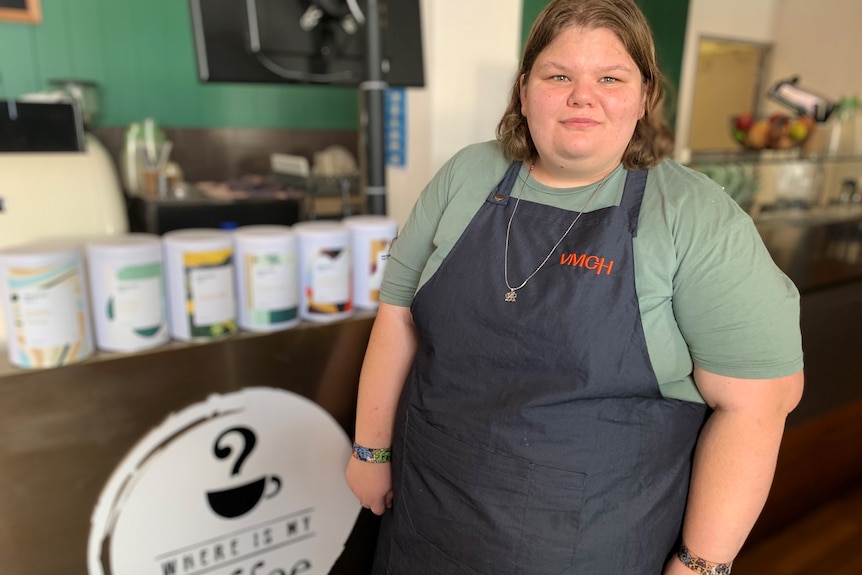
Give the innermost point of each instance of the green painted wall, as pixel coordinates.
(667, 19)
(532, 8)
(142, 55)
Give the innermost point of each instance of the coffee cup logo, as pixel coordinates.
(209, 491)
(239, 500)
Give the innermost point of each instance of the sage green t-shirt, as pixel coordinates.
(708, 290)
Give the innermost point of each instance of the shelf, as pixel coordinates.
(769, 157)
(812, 216)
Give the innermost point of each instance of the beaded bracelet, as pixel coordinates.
(382, 455)
(699, 565)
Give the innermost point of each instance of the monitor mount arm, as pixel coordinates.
(320, 14)
(375, 88)
(350, 15)
(347, 12)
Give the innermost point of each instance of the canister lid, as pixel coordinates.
(369, 221)
(198, 238)
(134, 244)
(40, 253)
(263, 231)
(264, 236)
(320, 228)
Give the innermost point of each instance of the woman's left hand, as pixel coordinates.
(734, 461)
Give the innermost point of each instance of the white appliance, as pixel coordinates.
(59, 196)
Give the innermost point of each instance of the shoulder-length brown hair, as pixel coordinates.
(652, 139)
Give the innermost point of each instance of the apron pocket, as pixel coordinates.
(467, 503)
(552, 519)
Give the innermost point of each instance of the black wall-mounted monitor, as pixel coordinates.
(304, 41)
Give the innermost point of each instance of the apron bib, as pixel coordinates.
(531, 436)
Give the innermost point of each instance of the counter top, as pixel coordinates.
(816, 247)
(815, 216)
(245, 338)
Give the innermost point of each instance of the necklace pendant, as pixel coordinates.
(511, 295)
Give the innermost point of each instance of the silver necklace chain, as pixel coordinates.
(511, 295)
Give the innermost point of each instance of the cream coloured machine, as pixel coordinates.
(59, 196)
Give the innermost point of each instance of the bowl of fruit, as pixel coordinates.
(778, 132)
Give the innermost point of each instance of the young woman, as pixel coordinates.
(584, 355)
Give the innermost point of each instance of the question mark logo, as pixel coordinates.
(222, 452)
(239, 500)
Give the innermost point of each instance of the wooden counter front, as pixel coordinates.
(821, 455)
(64, 430)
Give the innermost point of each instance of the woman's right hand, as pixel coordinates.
(391, 349)
(371, 483)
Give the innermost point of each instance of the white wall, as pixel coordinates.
(471, 50)
(819, 41)
(746, 20)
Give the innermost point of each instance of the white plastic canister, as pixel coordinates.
(324, 270)
(199, 279)
(46, 305)
(127, 292)
(370, 239)
(267, 277)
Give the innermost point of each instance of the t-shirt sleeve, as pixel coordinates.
(415, 243)
(738, 313)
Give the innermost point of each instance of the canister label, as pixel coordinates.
(210, 300)
(271, 288)
(379, 253)
(328, 288)
(135, 303)
(48, 315)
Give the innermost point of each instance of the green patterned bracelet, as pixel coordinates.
(382, 455)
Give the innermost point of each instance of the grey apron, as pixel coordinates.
(531, 436)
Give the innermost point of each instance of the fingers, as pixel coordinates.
(372, 485)
(380, 506)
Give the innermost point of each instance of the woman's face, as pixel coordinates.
(582, 101)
